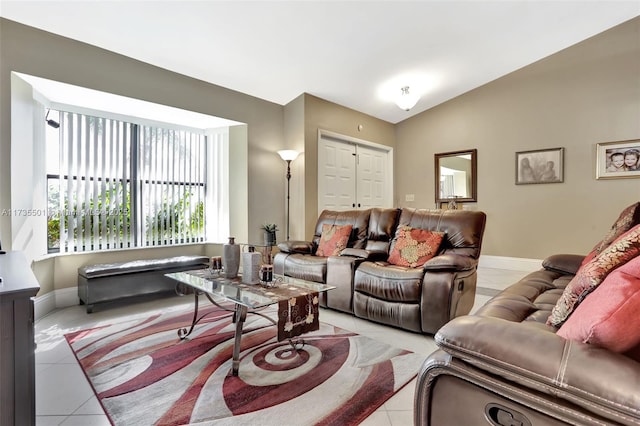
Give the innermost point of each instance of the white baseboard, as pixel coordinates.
(62, 298)
(42, 305)
(66, 297)
(510, 263)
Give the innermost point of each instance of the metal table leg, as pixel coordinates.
(239, 317)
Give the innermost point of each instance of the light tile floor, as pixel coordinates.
(64, 397)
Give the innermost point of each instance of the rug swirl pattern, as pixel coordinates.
(143, 374)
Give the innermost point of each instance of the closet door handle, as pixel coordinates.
(353, 205)
(358, 204)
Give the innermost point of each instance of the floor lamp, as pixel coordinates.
(288, 155)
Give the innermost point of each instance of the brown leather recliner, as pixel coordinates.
(423, 299)
(371, 233)
(418, 299)
(298, 258)
(505, 366)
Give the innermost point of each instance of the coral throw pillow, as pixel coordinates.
(413, 247)
(609, 316)
(333, 240)
(589, 276)
(629, 218)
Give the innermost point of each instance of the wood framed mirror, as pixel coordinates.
(456, 176)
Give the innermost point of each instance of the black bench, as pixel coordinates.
(109, 282)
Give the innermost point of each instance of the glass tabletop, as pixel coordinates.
(250, 295)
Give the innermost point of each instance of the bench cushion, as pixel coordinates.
(110, 269)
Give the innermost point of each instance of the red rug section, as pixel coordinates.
(330, 352)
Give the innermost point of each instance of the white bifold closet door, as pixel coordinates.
(352, 176)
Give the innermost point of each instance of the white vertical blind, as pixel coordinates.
(125, 185)
(173, 178)
(94, 183)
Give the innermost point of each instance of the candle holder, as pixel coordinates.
(215, 266)
(266, 275)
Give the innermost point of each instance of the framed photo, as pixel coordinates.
(540, 166)
(616, 160)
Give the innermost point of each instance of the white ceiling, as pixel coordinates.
(354, 53)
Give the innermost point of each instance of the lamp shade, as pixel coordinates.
(406, 100)
(288, 154)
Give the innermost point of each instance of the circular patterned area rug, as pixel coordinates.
(143, 374)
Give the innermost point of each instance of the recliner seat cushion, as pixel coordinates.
(389, 283)
(306, 267)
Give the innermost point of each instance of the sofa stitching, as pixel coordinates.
(566, 349)
(522, 393)
(448, 344)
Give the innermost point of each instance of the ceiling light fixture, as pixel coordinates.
(406, 100)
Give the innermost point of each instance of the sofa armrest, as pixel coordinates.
(304, 247)
(563, 263)
(450, 262)
(532, 355)
(365, 254)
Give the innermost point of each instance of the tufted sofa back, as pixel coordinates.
(464, 229)
(382, 227)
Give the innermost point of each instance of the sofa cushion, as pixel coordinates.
(463, 228)
(608, 316)
(333, 240)
(413, 247)
(387, 282)
(305, 267)
(625, 248)
(629, 218)
(358, 219)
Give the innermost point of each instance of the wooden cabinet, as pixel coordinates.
(17, 344)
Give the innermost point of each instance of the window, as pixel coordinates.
(114, 184)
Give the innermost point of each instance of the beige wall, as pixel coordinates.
(584, 95)
(294, 139)
(31, 51)
(323, 115)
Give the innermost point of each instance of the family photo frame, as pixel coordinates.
(618, 160)
(540, 166)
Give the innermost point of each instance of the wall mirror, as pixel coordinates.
(456, 176)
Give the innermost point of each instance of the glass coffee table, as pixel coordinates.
(246, 299)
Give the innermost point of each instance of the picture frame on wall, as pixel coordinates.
(618, 160)
(540, 166)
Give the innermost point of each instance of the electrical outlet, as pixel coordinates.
(409, 197)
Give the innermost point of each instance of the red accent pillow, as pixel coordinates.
(413, 247)
(333, 240)
(590, 275)
(609, 316)
(629, 218)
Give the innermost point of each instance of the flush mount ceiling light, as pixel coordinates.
(406, 100)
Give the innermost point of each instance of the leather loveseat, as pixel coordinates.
(421, 298)
(504, 365)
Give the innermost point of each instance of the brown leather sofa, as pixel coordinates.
(505, 366)
(418, 299)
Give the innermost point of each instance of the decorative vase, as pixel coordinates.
(231, 258)
(251, 266)
(269, 238)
